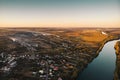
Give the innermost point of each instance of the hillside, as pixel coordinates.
(49, 54)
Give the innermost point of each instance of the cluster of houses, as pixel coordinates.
(7, 63)
(33, 63)
(46, 67)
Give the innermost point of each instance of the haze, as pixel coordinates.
(59, 13)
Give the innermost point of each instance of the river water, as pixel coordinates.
(102, 67)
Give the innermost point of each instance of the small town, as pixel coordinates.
(30, 62)
(30, 55)
(44, 67)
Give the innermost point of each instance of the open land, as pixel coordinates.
(50, 53)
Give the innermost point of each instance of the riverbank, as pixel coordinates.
(102, 67)
(110, 38)
(98, 50)
(117, 71)
(55, 53)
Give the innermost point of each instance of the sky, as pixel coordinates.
(59, 13)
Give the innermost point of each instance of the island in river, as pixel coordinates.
(50, 53)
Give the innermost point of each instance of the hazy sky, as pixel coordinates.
(60, 13)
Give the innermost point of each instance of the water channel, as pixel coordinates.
(102, 67)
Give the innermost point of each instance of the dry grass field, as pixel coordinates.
(69, 50)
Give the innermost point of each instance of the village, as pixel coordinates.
(44, 67)
(48, 66)
(26, 55)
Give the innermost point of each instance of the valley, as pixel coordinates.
(50, 53)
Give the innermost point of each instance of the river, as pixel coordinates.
(102, 67)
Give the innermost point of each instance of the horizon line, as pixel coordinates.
(59, 27)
